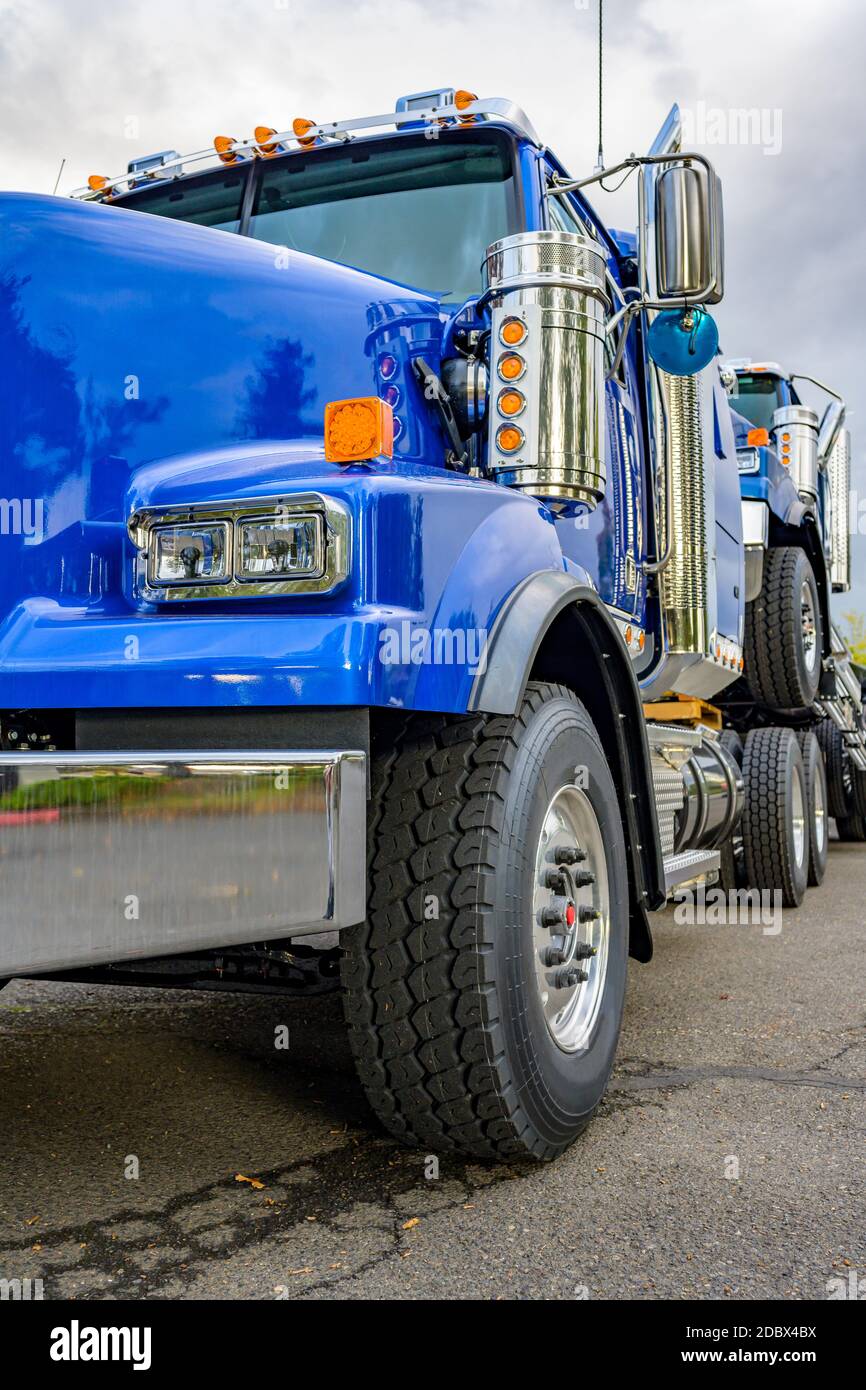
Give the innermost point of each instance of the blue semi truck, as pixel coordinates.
(399, 594)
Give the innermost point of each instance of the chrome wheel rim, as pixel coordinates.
(810, 630)
(571, 918)
(820, 818)
(798, 816)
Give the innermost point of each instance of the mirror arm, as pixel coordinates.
(557, 188)
(801, 376)
(655, 567)
(623, 316)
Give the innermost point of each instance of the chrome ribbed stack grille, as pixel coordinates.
(839, 473)
(684, 581)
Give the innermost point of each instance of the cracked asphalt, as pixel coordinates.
(727, 1160)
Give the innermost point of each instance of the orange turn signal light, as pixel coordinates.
(758, 439)
(358, 429)
(463, 99)
(511, 366)
(300, 126)
(511, 402)
(509, 438)
(262, 135)
(97, 182)
(223, 146)
(512, 332)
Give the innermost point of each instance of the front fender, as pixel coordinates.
(556, 627)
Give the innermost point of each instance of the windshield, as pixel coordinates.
(416, 210)
(756, 398)
(211, 200)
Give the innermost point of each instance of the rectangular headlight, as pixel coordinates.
(193, 554)
(256, 547)
(274, 547)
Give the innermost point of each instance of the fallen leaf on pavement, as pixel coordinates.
(253, 1182)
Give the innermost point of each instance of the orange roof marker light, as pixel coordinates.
(758, 439)
(97, 182)
(358, 430)
(300, 126)
(223, 146)
(463, 99)
(261, 135)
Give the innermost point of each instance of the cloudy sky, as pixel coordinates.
(97, 82)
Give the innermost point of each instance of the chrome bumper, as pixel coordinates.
(113, 856)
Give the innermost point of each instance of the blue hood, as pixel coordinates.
(127, 338)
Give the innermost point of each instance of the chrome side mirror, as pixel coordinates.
(689, 234)
(831, 425)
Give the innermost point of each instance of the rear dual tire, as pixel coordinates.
(816, 800)
(851, 829)
(776, 820)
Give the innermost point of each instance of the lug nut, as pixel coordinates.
(583, 878)
(588, 914)
(568, 854)
(584, 952)
(551, 917)
(552, 956)
(569, 976)
(554, 880)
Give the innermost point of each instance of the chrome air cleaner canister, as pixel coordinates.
(547, 364)
(795, 435)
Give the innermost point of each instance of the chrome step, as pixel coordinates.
(691, 866)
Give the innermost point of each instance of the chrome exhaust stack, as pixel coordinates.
(547, 365)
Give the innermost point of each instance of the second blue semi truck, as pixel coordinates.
(399, 591)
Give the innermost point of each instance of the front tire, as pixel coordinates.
(464, 1036)
(784, 634)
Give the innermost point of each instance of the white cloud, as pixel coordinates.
(73, 73)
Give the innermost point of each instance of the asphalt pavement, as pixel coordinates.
(727, 1161)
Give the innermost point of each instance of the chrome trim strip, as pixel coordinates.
(756, 521)
(117, 856)
(333, 568)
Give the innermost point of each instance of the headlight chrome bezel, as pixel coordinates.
(332, 557)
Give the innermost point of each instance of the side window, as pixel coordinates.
(564, 219)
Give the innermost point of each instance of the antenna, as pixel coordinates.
(600, 165)
(59, 173)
